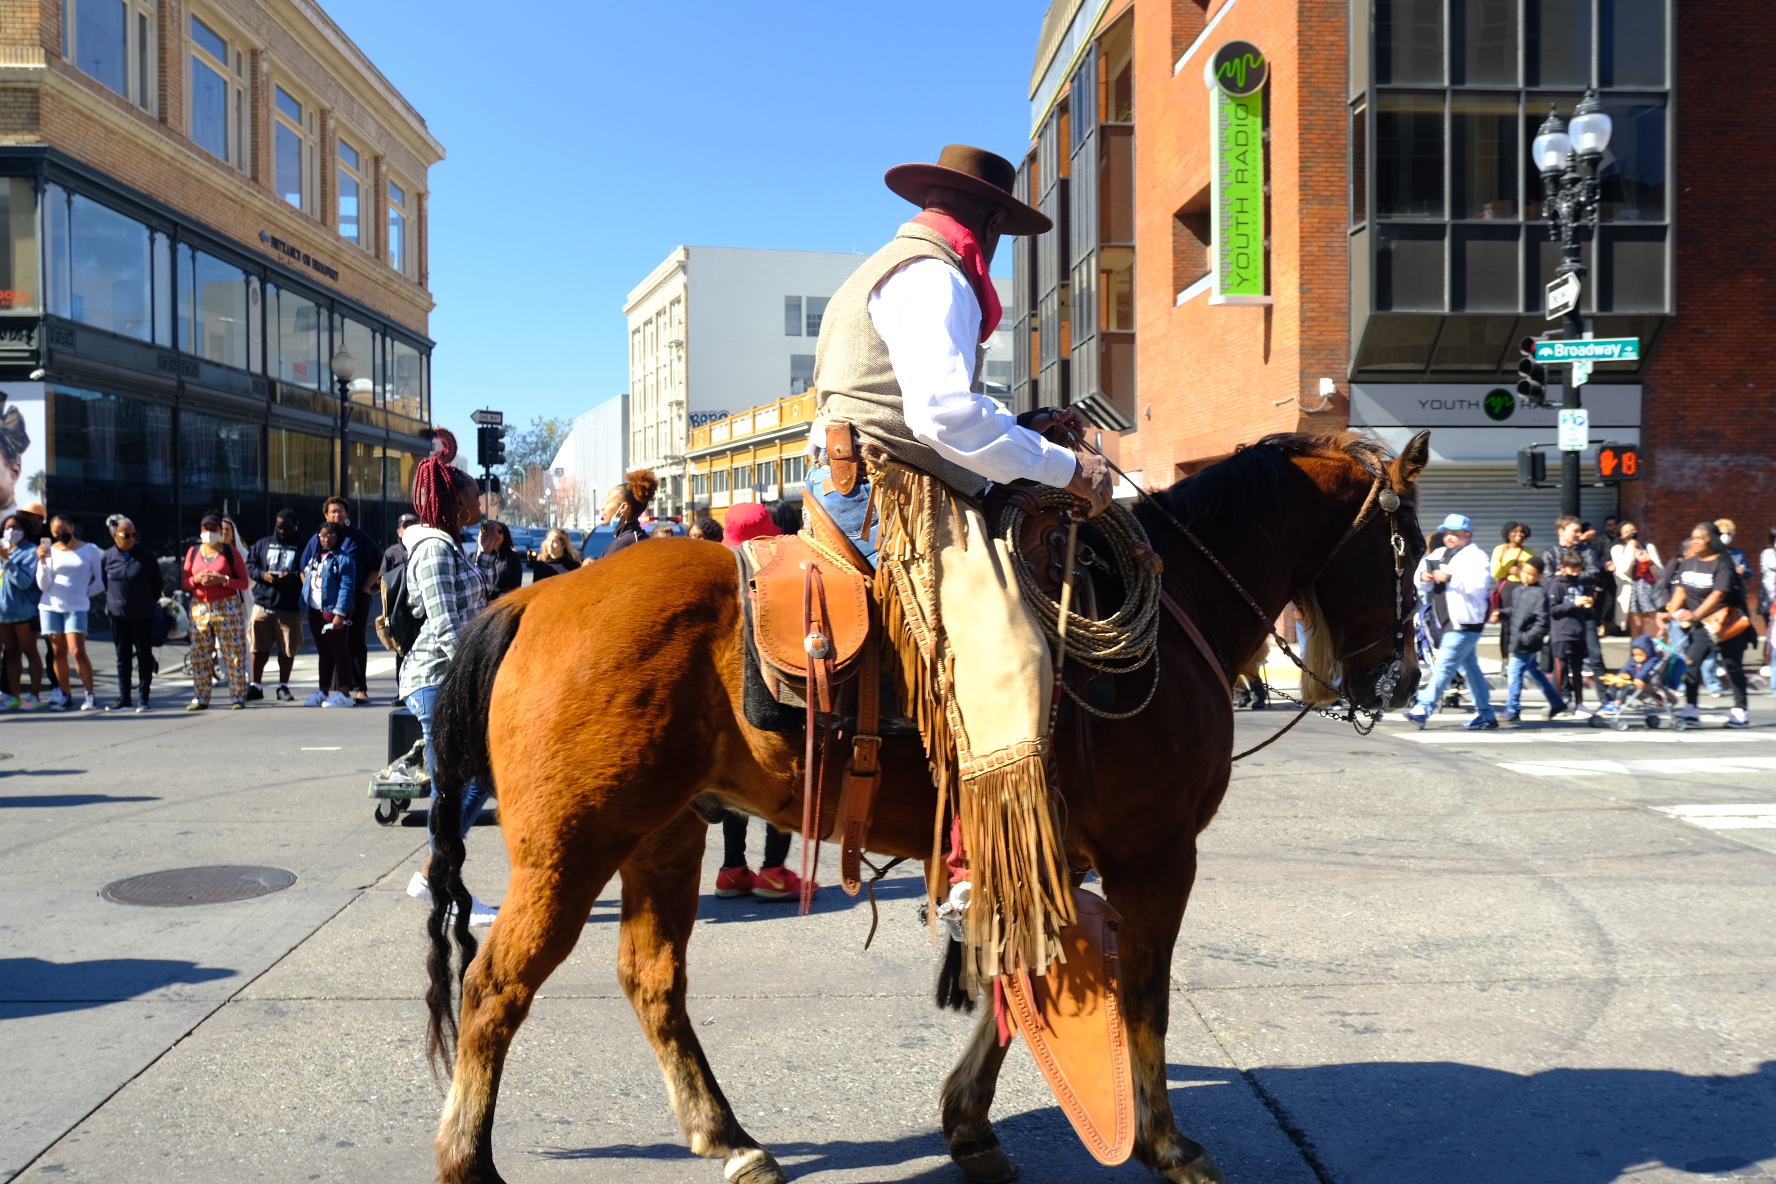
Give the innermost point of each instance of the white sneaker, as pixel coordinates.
(338, 700)
(1689, 712)
(417, 887)
(480, 912)
(318, 699)
(1581, 709)
(55, 699)
(1739, 718)
(90, 703)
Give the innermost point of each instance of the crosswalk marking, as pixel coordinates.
(1643, 768)
(1587, 735)
(1761, 817)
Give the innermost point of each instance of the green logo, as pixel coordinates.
(1499, 404)
(1240, 68)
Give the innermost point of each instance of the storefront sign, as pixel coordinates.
(1478, 405)
(298, 256)
(1236, 197)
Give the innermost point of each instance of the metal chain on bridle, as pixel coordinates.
(1387, 674)
(1121, 643)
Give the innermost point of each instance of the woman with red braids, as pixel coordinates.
(624, 505)
(445, 590)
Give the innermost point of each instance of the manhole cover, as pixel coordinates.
(198, 885)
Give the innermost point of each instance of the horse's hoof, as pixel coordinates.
(753, 1166)
(985, 1164)
(1201, 1170)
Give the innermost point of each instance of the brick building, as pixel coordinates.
(204, 203)
(1379, 173)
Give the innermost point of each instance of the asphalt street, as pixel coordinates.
(1542, 954)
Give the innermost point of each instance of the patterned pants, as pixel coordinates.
(218, 625)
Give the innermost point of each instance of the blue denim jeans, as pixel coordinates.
(419, 702)
(846, 509)
(1456, 655)
(1529, 664)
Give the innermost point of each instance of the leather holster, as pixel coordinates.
(841, 457)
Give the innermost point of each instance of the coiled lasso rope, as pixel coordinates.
(1126, 641)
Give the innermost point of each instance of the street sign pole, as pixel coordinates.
(1572, 328)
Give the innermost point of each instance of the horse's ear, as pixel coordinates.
(1412, 460)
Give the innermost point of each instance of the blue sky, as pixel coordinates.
(586, 140)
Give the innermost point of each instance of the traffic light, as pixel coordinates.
(1532, 377)
(1618, 462)
(490, 446)
(1532, 467)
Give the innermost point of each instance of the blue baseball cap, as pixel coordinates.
(1457, 522)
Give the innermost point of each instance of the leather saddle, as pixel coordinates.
(814, 634)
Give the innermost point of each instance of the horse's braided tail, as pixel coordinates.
(459, 743)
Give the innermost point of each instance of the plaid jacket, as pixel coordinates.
(445, 590)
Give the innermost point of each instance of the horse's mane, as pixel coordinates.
(1259, 477)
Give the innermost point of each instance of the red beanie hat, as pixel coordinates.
(748, 520)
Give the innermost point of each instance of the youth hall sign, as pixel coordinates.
(1235, 76)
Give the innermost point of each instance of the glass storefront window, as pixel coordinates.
(1409, 42)
(1632, 179)
(109, 256)
(1483, 42)
(1557, 42)
(102, 438)
(299, 465)
(219, 292)
(162, 252)
(1409, 155)
(218, 460)
(19, 291)
(294, 328)
(361, 343)
(1483, 156)
(406, 380)
(55, 251)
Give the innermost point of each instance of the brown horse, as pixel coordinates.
(575, 695)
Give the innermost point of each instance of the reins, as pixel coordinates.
(1379, 494)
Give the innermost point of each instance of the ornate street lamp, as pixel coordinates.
(345, 367)
(1568, 157)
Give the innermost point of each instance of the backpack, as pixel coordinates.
(398, 626)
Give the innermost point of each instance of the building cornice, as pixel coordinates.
(321, 26)
(673, 266)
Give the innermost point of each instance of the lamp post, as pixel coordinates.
(1568, 156)
(345, 368)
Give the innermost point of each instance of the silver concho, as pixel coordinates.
(1389, 500)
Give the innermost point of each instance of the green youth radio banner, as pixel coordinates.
(1236, 191)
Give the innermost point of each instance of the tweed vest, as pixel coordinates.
(854, 379)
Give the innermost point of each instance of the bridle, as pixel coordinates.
(1387, 673)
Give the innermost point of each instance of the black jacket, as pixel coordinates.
(394, 555)
(1528, 618)
(507, 568)
(1569, 620)
(270, 557)
(132, 583)
(542, 569)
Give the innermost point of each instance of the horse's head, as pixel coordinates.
(1357, 595)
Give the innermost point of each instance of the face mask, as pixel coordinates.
(212, 537)
(1726, 538)
(63, 536)
(14, 536)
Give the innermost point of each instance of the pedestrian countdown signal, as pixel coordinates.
(1618, 462)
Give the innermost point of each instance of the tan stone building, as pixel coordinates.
(204, 205)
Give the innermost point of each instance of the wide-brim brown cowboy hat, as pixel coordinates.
(976, 171)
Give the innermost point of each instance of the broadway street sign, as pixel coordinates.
(1602, 349)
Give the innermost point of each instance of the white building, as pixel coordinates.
(592, 458)
(716, 330)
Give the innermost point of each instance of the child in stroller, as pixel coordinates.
(1643, 684)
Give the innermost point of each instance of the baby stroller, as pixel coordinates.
(1656, 702)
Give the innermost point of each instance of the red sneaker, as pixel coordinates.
(777, 883)
(734, 881)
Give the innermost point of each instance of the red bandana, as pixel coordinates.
(974, 266)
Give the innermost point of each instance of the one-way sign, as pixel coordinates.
(494, 418)
(1563, 296)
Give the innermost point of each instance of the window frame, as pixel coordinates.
(303, 128)
(231, 69)
(342, 143)
(401, 257)
(140, 59)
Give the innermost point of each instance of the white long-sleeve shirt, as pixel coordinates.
(1468, 592)
(929, 317)
(70, 579)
